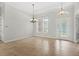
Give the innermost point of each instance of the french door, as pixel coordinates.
(63, 27)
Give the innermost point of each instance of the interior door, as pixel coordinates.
(1, 20)
(0, 29)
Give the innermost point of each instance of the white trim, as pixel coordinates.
(18, 38)
(75, 39)
(46, 36)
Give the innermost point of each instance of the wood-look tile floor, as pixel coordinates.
(37, 46)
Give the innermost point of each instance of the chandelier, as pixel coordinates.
(61, 12)
(33, 20)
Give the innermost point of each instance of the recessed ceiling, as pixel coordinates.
(40, 7)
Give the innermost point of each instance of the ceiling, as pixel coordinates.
(40, 7)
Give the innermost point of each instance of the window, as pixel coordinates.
(45, 25)
(42, 25)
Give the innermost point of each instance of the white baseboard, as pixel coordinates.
(23, 37)
(54, 38)
(77, 41)
(18, 38)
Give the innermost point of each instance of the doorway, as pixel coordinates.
(63, 27)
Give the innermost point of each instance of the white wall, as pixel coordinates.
(71, 21)
(51, 24)
(16, 24)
